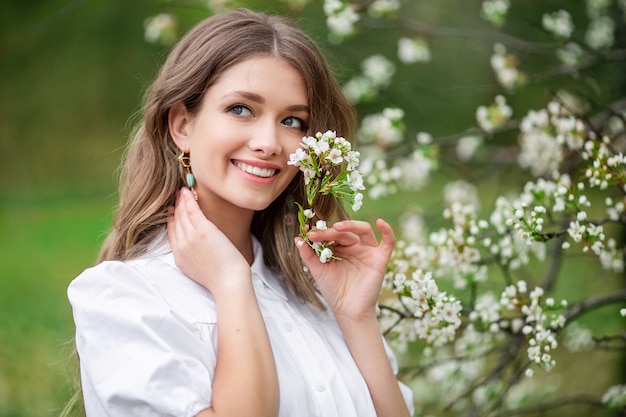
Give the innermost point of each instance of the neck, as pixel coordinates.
(235, 224)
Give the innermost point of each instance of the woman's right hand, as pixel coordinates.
(201, 251)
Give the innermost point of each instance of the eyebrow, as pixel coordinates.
(259, 99)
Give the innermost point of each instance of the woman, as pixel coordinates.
(201, 304)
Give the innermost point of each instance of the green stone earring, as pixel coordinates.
(185, 161)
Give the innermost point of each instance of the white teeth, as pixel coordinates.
(259, 172)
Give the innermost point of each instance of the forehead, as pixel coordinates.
(264, 75)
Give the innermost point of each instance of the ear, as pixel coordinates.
(179, 125)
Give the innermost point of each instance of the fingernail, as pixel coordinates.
(300, 243)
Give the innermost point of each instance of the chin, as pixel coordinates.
(255, 205)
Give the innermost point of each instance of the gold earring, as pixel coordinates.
(185, 161)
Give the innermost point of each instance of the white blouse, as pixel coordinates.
(147, 340)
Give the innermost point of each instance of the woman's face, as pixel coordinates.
(251, 119)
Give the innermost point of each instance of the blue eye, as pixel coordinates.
(296, 123)
(240, 110)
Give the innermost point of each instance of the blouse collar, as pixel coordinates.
(270, 278)
(261, 273)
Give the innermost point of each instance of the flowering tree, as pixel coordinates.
(479, 300)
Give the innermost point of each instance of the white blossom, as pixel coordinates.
(160, 29)
(462, 192)
(321, 225)
(571, 55)
(505, 67)
(559, 23)
(495, 116)
(495, 11)
(600, 33)
(466, 147)
(325, 255)
(378, 69)
(615, 397)
(381, 8)
(340, 19)
(384, 128)
(412, 50)
(597, 8)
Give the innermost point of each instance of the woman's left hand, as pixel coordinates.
(351, 286)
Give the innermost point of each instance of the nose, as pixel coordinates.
(265, 140)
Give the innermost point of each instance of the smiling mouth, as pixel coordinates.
(256, 171)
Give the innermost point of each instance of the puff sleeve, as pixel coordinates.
(138, 355)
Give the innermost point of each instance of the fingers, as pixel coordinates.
(196, 217)
(388, 240)
(306, 252)
(346, 233)
(185, 218)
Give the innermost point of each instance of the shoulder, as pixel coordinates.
(113, 279)
(150, 283)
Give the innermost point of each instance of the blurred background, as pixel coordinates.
(72, 75)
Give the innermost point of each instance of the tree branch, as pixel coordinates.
(574, 399)
(593, 303)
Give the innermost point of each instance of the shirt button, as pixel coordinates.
(288, 326)
(320, 387)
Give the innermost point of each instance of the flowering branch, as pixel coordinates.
(329, 167)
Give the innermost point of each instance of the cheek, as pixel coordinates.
(291, 172)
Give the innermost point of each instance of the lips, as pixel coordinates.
(255, 170)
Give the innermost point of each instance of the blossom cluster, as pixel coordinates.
(495, 116)
(340, 19)
(505, 65)
(572, 55)
(383, 8)
(381, 179)
(376, 74)
(546, 134)
(435, 315)
(161, 29)
(495, 11)
(607, 167)
(615, 397)
(342, 16)
(600, 33)
(412, 50)
(544, 199)
(380, 132)
(577, 338)
(329, 167)
(537, 321)
(382, 129)
(559, 23)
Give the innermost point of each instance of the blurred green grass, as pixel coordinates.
(45, 244)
